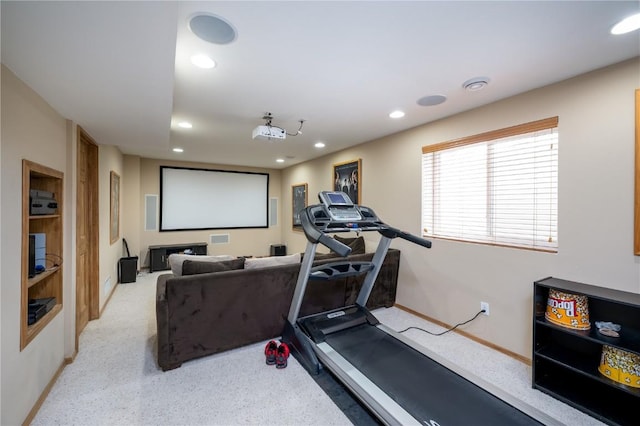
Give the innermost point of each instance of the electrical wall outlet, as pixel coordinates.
(484, 306)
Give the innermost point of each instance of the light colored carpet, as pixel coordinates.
(115, 380)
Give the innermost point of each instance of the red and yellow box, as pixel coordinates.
(568, 310)
(620, 366)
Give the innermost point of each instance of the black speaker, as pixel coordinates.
(128, 269)
(278, 250)
(32, 255)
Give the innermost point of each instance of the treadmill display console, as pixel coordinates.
(340, 206)
(335, 198)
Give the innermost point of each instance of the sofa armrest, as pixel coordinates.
(162, 323)
(384, 289)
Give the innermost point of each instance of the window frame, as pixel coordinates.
(487, 137)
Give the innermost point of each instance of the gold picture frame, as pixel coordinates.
(299, 200)
(347, 177)
(114, 216)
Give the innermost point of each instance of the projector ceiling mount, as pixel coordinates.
(269, 132)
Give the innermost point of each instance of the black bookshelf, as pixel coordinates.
(565, 361)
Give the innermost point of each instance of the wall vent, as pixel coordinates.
(219, 238)
(150, 212)
(273, 212)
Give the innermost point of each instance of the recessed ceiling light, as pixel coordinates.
(212, 28)
(178, 150)
(476, 83)
(280, 160)
(396, 114)
(431, 100)
(185, 125)
(319, 145)
(628, 24)
(202, 61)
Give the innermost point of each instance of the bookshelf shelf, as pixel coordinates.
(47, 284)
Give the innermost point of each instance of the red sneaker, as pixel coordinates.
(282, 355)
(270, 352)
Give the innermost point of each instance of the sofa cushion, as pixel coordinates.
(194, 267)
(175, 260)
(357, 244)
(263, 262)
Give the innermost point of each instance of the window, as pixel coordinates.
(497, 188)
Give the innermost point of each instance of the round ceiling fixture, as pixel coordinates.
(212, 29)
(631, 23)
(431, 100)
(203, 61)
(396, 114)
(475, 84)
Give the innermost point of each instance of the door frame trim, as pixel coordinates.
(93, 245)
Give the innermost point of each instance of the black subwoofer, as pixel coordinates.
(278, 250)
(127, 269)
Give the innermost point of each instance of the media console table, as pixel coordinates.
(159, 254)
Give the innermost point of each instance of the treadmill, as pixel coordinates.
(399, 381)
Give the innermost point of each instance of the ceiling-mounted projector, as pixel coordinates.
(269, 132)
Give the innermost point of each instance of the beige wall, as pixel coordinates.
(110, 159)
(596, 128)
(132, 204)
(31, 129)
(144, 173)
(69, 291)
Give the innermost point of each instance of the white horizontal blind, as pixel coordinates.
(497, 188)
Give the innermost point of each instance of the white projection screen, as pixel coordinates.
(196, 199)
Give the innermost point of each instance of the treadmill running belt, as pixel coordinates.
(427, 390)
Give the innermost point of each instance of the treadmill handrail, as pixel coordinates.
(333, 270)
(316, 236)
(391, 232)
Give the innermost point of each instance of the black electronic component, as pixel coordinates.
(278, 250)
(35, 312)
(32, 256)
(42, 202)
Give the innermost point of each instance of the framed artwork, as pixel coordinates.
(114, 217)
(298, 201)
(347, 177)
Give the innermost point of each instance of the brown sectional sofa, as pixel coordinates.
(203, 314)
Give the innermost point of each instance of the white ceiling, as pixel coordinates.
(122, 70)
